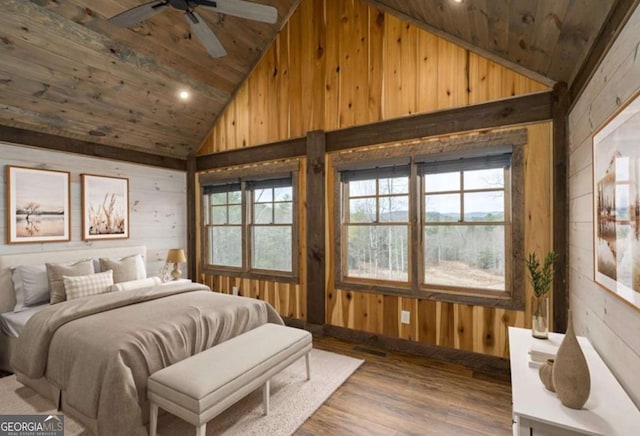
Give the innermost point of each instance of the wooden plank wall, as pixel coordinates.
(341, 63)
(157, 203)
(460, 326)
(612, 325)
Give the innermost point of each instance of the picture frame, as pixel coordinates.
(616, 203)
(38, 205)
(105, 207)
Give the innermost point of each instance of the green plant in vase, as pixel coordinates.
(540, 276)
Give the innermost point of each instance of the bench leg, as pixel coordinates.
(265, 397)
(306, 361)
(153, 420)
(202, 430)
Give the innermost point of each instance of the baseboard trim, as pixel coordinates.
(484, 363)
(317, 330)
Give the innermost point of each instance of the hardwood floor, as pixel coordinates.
(400, 394)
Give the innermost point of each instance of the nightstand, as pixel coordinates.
(537, 411)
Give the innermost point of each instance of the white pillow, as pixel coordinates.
(149, 282)
(87, 286)
(126, 269)
(31, 285)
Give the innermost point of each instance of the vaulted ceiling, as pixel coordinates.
(547, 37)
(66, 70)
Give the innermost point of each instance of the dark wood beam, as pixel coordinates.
(60, 143)
(618, 16)
(529, 108)
(561, 102)
(316, 227)
(286, 149)
(191, 217)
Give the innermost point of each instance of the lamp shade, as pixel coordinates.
(176, 255)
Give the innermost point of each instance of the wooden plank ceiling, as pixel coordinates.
(66, 70)
(548, 37)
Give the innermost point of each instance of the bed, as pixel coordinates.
(7, 295)
(92, 356)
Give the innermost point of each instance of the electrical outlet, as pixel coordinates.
(405, 317)
(235, 290)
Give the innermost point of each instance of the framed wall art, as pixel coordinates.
(616, 203)
(37, 205)
(105, 207)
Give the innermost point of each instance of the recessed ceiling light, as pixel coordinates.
(458, 1)
(184, 95)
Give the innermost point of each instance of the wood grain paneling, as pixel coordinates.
(612, 325)
(460, 326)
(67, 70)
(408, 71)
(157, 202)
(345, 63)
(547, 38)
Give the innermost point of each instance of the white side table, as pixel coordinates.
(537, 411)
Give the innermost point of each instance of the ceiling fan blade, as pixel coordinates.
(244, 9)
(206, 36)
(133, 16)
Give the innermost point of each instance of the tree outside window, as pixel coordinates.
(250, 227)
(462, 212)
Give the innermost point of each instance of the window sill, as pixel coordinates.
(281, 278)
(505, 301)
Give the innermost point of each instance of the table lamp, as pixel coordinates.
(176, 256)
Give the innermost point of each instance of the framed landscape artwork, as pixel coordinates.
(105, 207)
(616, 203)
(37, 205)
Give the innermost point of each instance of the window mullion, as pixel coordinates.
(377, 219)
(416, 261)
(461, 196)
(247, 221)
(273, 206)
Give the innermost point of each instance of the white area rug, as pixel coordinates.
(293, 400)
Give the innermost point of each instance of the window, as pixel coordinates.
(463, 221)
(272, 225)
(250, 226)
(224, 228)
(376, 224)
(440, 229)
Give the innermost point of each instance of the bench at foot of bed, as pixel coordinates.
(202, 386)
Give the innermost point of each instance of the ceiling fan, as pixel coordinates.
(238, 8)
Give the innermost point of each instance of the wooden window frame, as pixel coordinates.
(206, 225)
(506, 223)
(250, 225)
(465, 147)
(345, 223)
(245, 175)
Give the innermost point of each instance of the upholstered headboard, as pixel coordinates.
(8, 261)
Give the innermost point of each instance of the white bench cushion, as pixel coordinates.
(201, 381)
